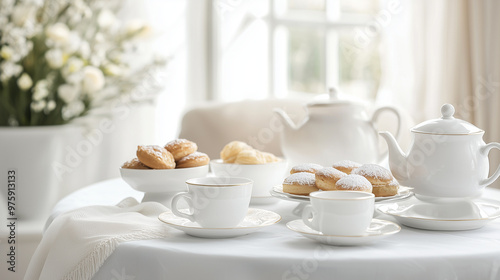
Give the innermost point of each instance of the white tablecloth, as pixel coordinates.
(278, 253)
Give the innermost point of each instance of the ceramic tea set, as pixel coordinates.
(334, 130)
(447, 164)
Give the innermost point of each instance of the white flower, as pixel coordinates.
(6, 52)
(23, 13)
(106, 19)
(73, 78)
(73, 109)
(38, 106)
(68, 93)
(54, 58)
(41, 90)
(51, 105)
(73, 43)
(58, 33)
(84, 50)
(93, 79)
(138, 28)
(113, 70)
(115, 56)
(9, 69)
(24, 82)
(73, 65)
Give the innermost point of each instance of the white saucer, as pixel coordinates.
(378, 229)
(277, 191)
(255, 220)
(466, 215)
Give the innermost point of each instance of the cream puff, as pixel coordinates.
(302, 183)
(353, 182)
(381, 179)
(180, 148)
(327, 177)
(155, 157)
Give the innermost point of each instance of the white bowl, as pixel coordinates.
(264, 176)
(161, 184)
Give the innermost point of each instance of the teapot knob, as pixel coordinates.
(334, 93)
(447, 110)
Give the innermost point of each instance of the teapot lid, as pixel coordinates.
(447, 124)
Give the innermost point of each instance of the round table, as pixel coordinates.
(275, 252)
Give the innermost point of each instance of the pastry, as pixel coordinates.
(327, 177)
(354, 182)
(155, 157)
(180, 148)
(380, 178)
(302, 183)
(250, 156)
(346, 166)
(193, 160)
(270, 157)
(134, 164)
(386, 190)
(306, 167)
(231, 151)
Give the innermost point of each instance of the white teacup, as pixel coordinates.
(347, 213)
(215, 202)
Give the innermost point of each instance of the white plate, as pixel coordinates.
(377, 230)
(255, 220)
(277, 191)
(411, 213)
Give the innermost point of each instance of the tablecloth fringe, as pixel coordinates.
(86, 269)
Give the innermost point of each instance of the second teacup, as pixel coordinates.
(215, 202)
(346, 213)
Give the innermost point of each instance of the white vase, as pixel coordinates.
(27, 155)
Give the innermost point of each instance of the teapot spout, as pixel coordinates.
(397, 158)
(285, 119)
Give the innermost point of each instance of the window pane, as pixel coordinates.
(359, 64)
(243, 50)
(244, 72)
(306, 56)
(311, 5)
(359, 6)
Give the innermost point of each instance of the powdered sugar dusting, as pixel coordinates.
(301, 178)
(331, 172)
(354, 182)
(177, 142)
(374, 171)
(307, 167)
(194, 156)
(154, 150)
(346, 164)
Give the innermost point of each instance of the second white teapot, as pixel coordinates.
(334, 130)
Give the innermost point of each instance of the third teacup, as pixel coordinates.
(346, 213)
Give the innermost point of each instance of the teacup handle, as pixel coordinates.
(189, 201)
(375, 116)
(485, 150)
(306, 214)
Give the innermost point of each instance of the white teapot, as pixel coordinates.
(448, 158)
(333, 130)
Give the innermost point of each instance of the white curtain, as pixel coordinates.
(447, 51)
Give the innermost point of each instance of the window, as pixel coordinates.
(286, 48)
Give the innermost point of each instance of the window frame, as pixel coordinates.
(330, 24)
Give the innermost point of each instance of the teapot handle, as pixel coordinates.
(375, 116)
(485, 150)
